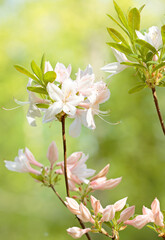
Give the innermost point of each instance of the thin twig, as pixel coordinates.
(81, 223)
(65, 157)
(54, 190)
(158, 109)
(65, 170)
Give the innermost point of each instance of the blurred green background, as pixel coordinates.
(74, 31)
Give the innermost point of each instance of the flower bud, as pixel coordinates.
(108, 213)
(52, 154)
(126, 214)
(85, 214)
(120, 204)
(72, 205)
(76, 232)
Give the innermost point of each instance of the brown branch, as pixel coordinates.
(65, 157)
(158, 109)
(54, 190)
(65, 171)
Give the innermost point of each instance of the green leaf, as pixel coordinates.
(116, 35)
(151, 227)
(117, 23)
(121, 15)
(37, 177)
(145, 45)
(42, 105)
(163, 34)
(37, 90)
(137, 88)
(133, 65)
(162, 84)
(134, 20)
(120, 48)
(36, 70)
(43, 63)
(141, 8)
(26, 72)
(149, 57)
(49, 76)
(158, 67)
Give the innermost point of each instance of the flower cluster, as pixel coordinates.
(60, 96)
(153, 215)
(113, 215)
(142, 50)
(77, 171)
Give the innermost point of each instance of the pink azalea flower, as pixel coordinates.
(103, 184)
(21, 164)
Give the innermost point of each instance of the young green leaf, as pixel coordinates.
(121, 15)
(49, 76)
(36, 70)
(26, 72)
(37, 177)
(163, 34)
(158, 67)
(120, 48)
(134, 20)
(42, 105)
(116, 36)
(37, 90)
(118, 24)
(151, 227)
(141, 8)
(161, 83)
(146, 45)
(137, 88)
(43, 63)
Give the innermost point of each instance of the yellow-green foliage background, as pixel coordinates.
(74, 31)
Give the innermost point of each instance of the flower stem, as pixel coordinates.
(65, 157)
(65, 171)
(54, 190)
(158, 109)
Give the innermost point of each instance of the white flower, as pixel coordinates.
(62, 72)
(20, 164)
(85, 80)
(65, 99)
(153, 36)
(116, 67)
(33, 110)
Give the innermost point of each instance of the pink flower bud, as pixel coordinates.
(103, 184)
(126, 214)
(31, 158)
(139, 222)
(96, 205)
(108, 213)
(102, 173)
(155, 206)
(120, 204)
(159, 219)
(52, 154)
(76, 232)
(72, 205)
(147, 211)
(85, 214)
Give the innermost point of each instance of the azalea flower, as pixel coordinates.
(153, 37)
(101, 214)
(99, 94)
(65, 99)
(22, 163)
(116, 67)
(149, 215)
(77, 170)
(33, 110)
